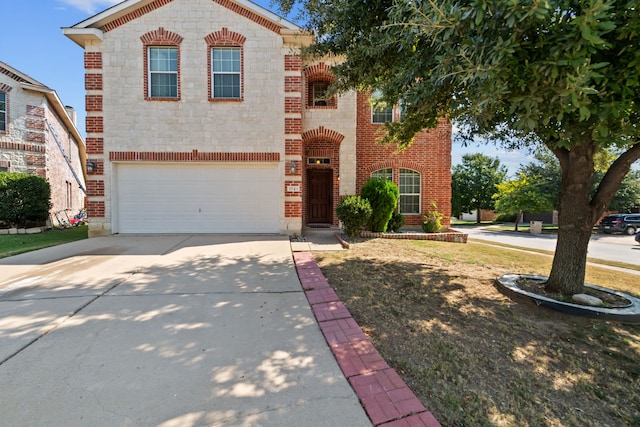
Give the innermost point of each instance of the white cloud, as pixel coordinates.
(91, 6)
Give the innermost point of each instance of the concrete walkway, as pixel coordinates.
(165, 331)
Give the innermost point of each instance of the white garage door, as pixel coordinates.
(196, 198)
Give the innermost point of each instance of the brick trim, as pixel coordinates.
(135, 14)
(249, 14)
(194, 156)
(319, 73)
(21, 146)
(321, 133)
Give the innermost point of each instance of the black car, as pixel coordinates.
(620, 223)
(638, 237)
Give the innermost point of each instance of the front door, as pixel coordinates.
(319, 196)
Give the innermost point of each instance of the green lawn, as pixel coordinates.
(19, 243)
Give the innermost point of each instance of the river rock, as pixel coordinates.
(587, 299)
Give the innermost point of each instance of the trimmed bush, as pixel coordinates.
(24, 199)
(396, 222)
(432, 220)
(354, 212)
(383, 196)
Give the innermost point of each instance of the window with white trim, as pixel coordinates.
(226, 73)
(380, 112)
(163, 72)
(3, 112)
(383, 174)
(409, 187)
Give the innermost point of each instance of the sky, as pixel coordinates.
(33, 43)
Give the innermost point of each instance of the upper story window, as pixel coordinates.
(3, 112)
(226, 73)
(163, 72)
(319, 77)
(409, 202)
(380, 111)
(162, 61)
(226, 65)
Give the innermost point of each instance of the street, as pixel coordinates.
(609, 247)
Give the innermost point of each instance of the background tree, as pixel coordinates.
(561, 73)
(522, 194)
(473, 183)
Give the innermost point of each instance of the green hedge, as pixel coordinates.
(24, 199)
(353, 212)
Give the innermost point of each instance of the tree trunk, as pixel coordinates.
(574, 220)
(518, 218)
(478, 216)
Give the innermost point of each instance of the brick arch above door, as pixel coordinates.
(322, 134)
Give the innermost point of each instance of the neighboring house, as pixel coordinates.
(38, 136)
(202, 117)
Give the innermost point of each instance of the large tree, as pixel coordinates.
(473, 183)
(561, 73)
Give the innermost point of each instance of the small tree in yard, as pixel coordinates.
(558, 73)
(432, 220)
(23, 199)
(354, 213)
(383, 196)
(522, 194)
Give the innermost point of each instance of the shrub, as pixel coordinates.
(24, 199)
(383, 196)
(396, 222)
(508, 217)
(354, 212)
(432, 220)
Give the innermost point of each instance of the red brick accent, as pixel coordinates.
(94, 124)
(224, 37)
(95, 209)
(35, 137)
(36, 160)
(292, 105)
(33, 110)
(292, 63)
(235, 7)
(292, 146)
(36, 124)
(430, 155)
(319, 72)
(8, 145)
(5, 87)
(95, 188)
(194, 156)
(92, 60)
(292, 125)
(95, 145)
(321, 133)
(135, 14)
(161, 37)
(93, 103)
(293, 209)
(93, 81)
(292, 83)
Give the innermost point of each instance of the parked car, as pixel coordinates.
(620, 223)
(638, 237)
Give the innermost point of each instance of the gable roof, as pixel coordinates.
(30, 84)
(93, 28)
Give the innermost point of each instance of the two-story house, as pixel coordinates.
(38, 135)
(202, 117)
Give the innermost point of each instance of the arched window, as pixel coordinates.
(226, 58)
(383, 174)
(162, 59)
(410, 190)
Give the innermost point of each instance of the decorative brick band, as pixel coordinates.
(135, 14)
(235, 7)
(95, 145)
(319, 72)
(194, 156)
(7, 145)
(5, 87)
(93, 81)
(292, 84)
(93, 103)
(95, 188)
(293, 209)
(224, 37)
(453, 236)
(161, 37)
(13, 76)
(34, 110)
(93, 60)
(292, 63)
(95, 209)
(322, 134)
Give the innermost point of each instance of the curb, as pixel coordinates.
(385, 397)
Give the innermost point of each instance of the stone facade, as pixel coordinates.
(27, 144)
(275, 119)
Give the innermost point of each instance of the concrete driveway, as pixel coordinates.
(165, 331)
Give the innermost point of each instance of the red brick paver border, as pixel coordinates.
(383, 394)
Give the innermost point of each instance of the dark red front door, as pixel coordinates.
(319, 198)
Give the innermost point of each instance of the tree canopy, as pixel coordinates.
(473, 183)
(562, 73)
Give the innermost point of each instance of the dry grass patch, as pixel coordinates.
(475, 357)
